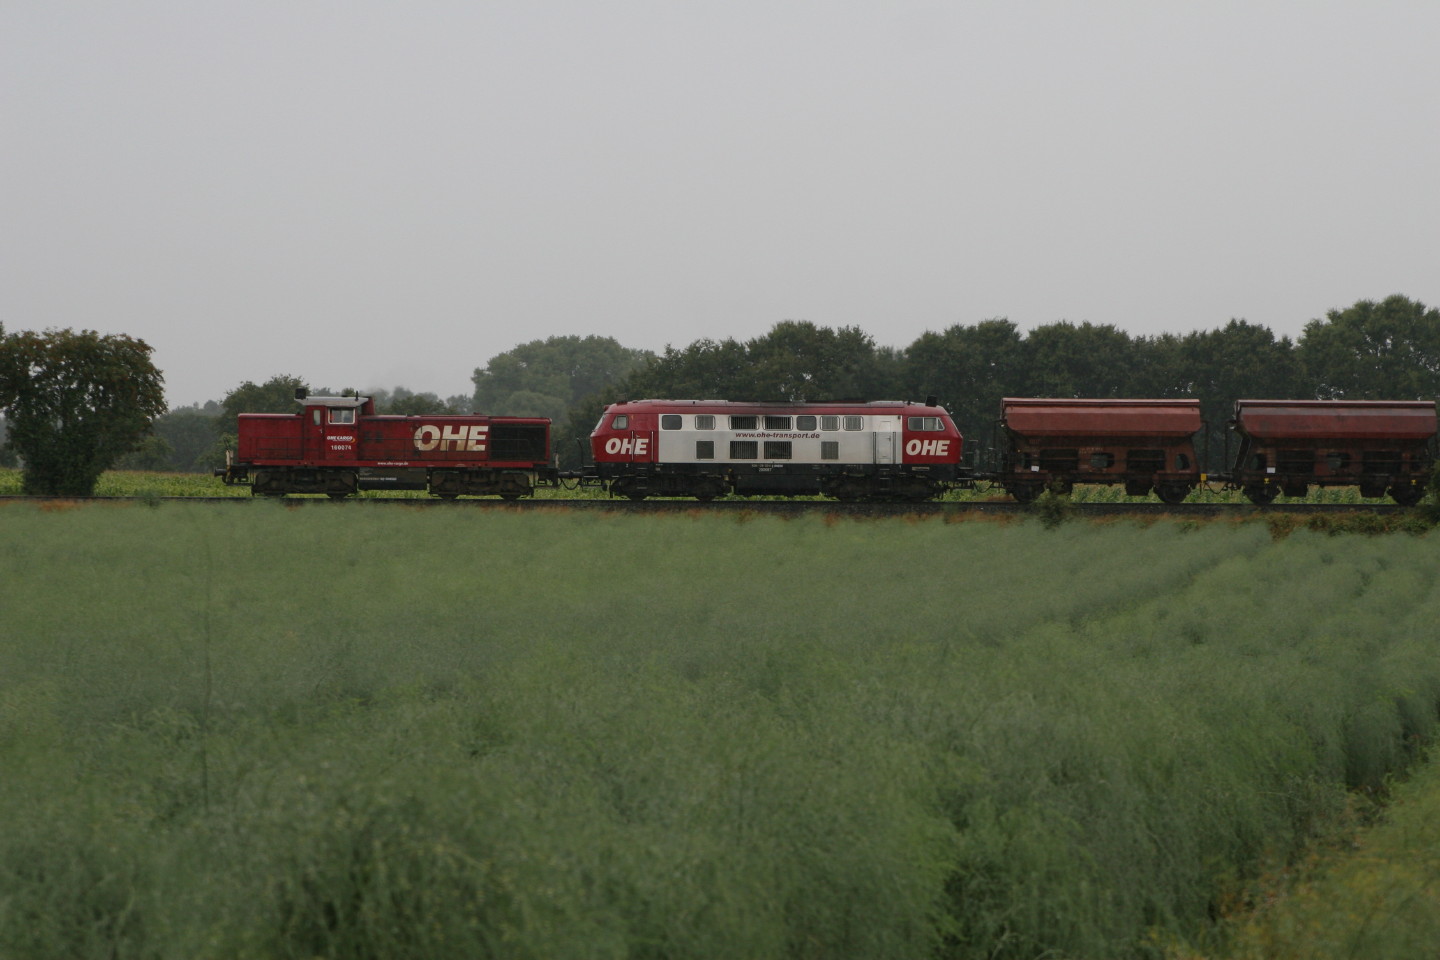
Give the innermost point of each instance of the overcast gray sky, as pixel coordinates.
(369, 193)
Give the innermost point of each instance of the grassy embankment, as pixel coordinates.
(135, 483)
(272, 732)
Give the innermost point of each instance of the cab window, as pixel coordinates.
(670, 421)
(620, 422)
(342, 415)
(925, 423)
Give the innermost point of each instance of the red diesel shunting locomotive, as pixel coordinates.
(338, 445)
(709, 448)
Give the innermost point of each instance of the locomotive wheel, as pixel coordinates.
(1261, 494)
(707, 491)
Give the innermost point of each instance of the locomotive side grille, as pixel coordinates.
(277, 448)
(525, 442)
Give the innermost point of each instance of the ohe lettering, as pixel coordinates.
(469, 437)
(628, 446)
(927, 448)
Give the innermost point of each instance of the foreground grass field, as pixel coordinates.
(1375, 896)
(352, 732)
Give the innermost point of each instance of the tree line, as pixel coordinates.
(1388, 349)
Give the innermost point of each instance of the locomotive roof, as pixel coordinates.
(1336, 419)
(737, 405)
(341, 402)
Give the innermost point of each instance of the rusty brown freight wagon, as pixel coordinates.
(1379, 446)
(1144, 444)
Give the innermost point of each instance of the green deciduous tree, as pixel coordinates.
(75, 403)
(547, 377)
(1086, 360)
(7, 456)
(704, 370)
(191, 433)
(969, 369)
(795, 360)
(1237, 361)
(1374, 351)
(276, 395)
(407, 403)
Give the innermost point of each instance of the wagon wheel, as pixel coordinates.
(1025, 492)
(1407, 494)
(1172, 493)
(1261, 494)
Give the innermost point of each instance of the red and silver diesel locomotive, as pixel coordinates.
(339, 445)
(709, 448)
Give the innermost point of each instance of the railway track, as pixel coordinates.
(777, 507)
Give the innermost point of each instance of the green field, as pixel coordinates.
(262, 731)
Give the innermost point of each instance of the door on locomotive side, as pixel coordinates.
(885, 430)
(312, 433)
